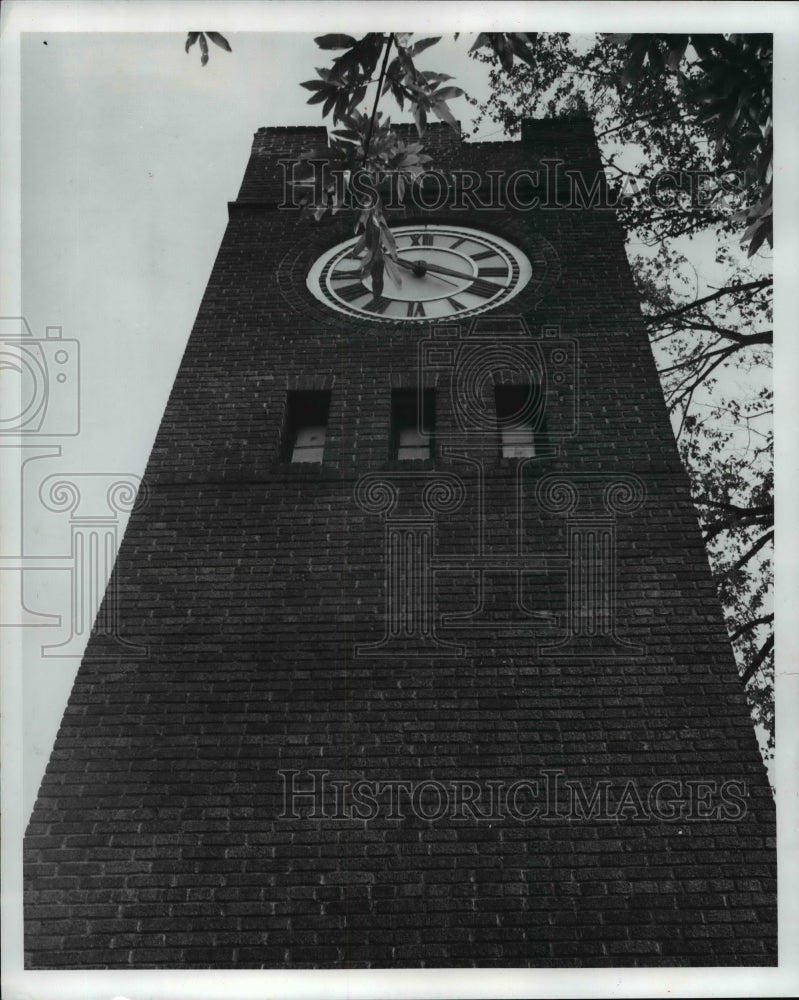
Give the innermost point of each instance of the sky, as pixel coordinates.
(130, 151)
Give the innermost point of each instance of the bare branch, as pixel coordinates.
(760, 656)
(737, 521)
(747, 626)
(745, 340)
(753, 550)
(729, 290)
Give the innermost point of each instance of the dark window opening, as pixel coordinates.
(412, 420)
(519, 419)
(306, 426)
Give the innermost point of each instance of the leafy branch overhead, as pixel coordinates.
(365, 151)
(342, 87)
(506, 46)
(201, 36)
(366, 157)
(726, 85)
(367, 146)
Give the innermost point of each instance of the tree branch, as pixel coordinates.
(758, 509)
(741, 521)
(744, 339)
(753, 550)
(761, 655)
(647, 118)
(763, 620)
(378, 95)
(682, 391)
(699, 357)
(729, 290)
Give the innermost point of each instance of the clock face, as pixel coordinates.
(443, 271)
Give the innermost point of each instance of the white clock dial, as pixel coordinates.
(442, 271)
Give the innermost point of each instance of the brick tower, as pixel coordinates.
(426, 665)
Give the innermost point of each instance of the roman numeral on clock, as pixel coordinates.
(379, 304)
(485, 289)
(454, 304)
(416, 309)
(492, 272)
(351, 292)
(483, 255)
(421, 239)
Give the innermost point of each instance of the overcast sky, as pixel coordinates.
(130, 152)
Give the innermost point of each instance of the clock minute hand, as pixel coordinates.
(439, 269)
(358, 275)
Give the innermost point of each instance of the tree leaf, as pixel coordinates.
(317, 98)
(518, 43)
(677, 46)
(191, 38)
(335, 41)
(442, 112)
(448, 93)
(479, 42)
(349, 135)
(357, 97)
(219, 40)
(377, 278)
(422, 44)
(762, 232)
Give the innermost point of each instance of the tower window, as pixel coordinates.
(518, 418)
(412, 416)
(306, 426)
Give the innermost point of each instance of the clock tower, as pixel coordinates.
(434, 670)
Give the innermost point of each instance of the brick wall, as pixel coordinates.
(157, 841)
